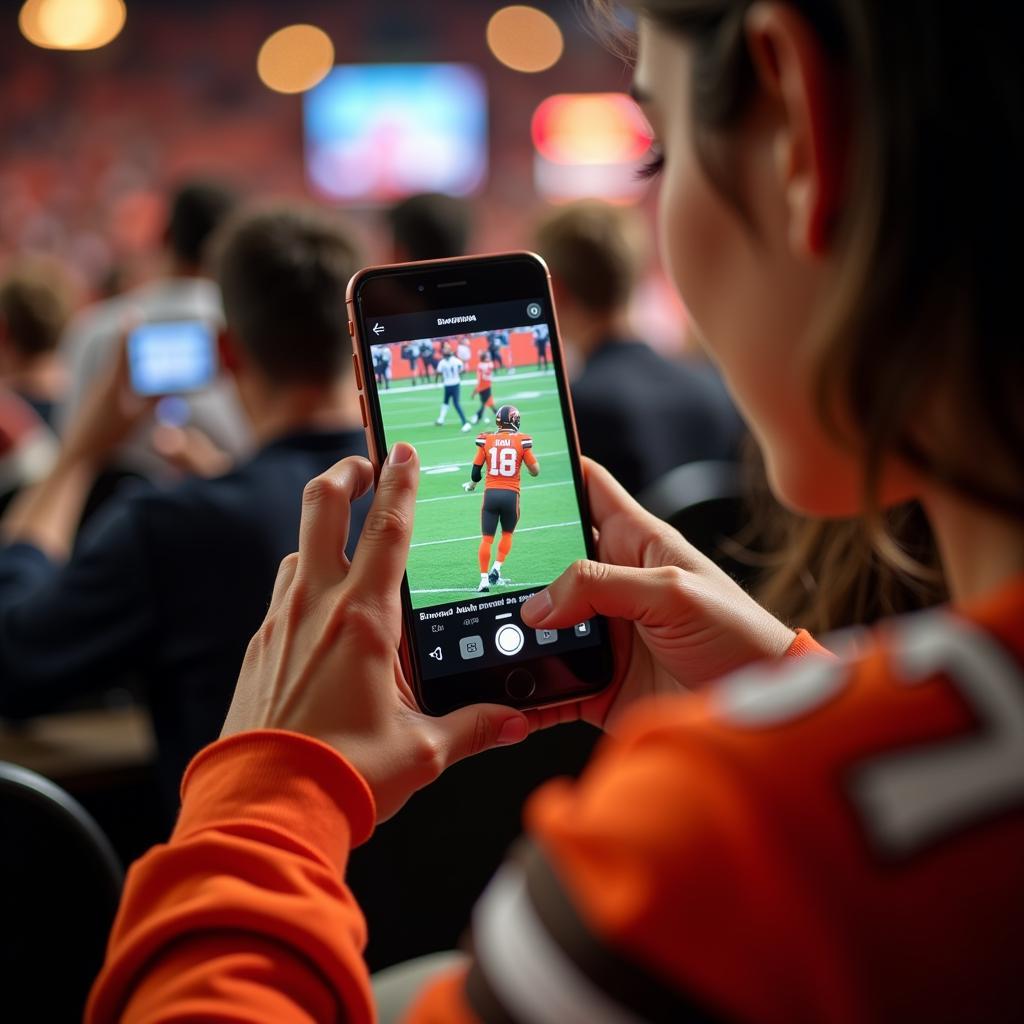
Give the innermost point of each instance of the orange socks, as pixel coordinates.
(485, 552)
(504, 546)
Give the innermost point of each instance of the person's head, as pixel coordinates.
(430, 226)
(596, 254)
(282, 271)
(197, 210)
(840, 212)
(36, 299)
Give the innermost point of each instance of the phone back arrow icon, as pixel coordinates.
(377, 329)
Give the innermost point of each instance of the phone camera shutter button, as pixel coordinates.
(520, 684)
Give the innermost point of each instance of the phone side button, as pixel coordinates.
(362, 411)
(520, 684)
(357, 370)
(351, 329)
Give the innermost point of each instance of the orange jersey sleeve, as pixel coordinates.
(244, 911)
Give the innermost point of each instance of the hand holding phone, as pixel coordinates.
(689, 620)
(345, 622)
(476, 558)
(172, 357)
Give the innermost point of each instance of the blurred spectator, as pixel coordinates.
(430, 226)
(28, 447)
(638, 413)
(172, 584)
(185, 293)
(36, 298)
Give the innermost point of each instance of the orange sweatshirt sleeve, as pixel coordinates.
(246, 905)
(804, 643)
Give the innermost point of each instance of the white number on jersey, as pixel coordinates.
(910, 798)
(504, 461)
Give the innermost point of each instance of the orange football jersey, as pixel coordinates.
(484, 375)
(825, 840)
(501, 456)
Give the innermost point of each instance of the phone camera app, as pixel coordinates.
(471, 647)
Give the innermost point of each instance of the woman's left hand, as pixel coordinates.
(325, 661)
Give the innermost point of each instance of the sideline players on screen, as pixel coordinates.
(484, 381)
(501, 456)
(450, 369)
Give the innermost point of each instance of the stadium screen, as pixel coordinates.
(378, 132)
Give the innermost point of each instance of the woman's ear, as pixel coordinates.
(794, 72)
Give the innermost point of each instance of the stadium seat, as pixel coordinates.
(60, 883)
(707, 503)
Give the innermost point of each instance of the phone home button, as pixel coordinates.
(520, 684)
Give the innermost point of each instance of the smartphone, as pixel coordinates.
(172, 357)
(501, 509)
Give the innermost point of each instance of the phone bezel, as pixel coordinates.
(438, 284)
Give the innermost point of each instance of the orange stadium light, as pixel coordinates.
(295, 58)
(524, 38)
(589, 145)
(71, 24)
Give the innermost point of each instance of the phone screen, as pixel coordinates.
(171, 357)
(479, 392)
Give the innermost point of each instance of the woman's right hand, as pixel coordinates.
(683, 622)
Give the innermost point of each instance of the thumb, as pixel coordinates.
(474, 729)
(587, 589)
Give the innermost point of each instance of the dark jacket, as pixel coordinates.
(167, 585)
(641, 415)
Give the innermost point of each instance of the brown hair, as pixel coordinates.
(36, 298)
(595, 251)
(921, 333)
(283, 272)
(827, 574)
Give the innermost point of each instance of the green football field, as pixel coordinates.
(443, 561)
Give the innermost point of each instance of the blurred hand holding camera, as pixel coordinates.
(109, 414)
(48, 514)
(325, 661)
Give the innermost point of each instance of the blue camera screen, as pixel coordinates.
(171, 357)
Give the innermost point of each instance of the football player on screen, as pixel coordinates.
(484, 379)
(501, 457)
(450, 369)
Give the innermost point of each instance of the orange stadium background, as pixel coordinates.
(520, 344)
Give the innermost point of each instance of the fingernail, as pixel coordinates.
(539, 606)
(400, 453)
(513, 730)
